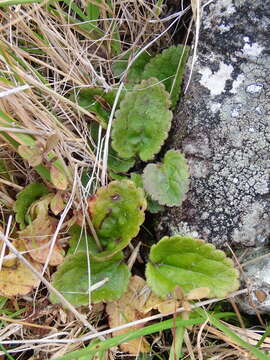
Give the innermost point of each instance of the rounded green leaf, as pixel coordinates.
(168, 67)
(117, 212)
(168, 182)
(143, 121)
(72, 279)
(189, 263)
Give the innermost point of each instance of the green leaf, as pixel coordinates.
(135, 71)
(118, 165)
(114, 176)
(189, 263)
(93, 101)
(168, 182)
(97, 101)
(25, 198)
(152, 206)
(101, 355)
(92, 10)
(81, 241)
(72, 279)
(169, 67)
(117, 212)
(143, 121)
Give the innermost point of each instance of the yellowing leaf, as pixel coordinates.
(15, 277)
(126, 310)
(51, 142)
(167, 307)
(199, 293)
(37, 238)
(32, 154)
(57, 203)
(58, 178)
(40, 207)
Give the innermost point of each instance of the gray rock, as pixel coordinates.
(223, 127)
(256, 277)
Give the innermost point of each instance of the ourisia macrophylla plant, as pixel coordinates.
(117, 211)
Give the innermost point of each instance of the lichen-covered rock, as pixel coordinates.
(223, 127)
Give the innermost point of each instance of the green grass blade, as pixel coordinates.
(9, 357)
(72, 5)
(261, 355)
(18, 2)
(109, 343)
(264, 336)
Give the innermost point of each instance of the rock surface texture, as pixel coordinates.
(223, 127)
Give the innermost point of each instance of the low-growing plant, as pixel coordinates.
(92, 270)
(116, 211)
